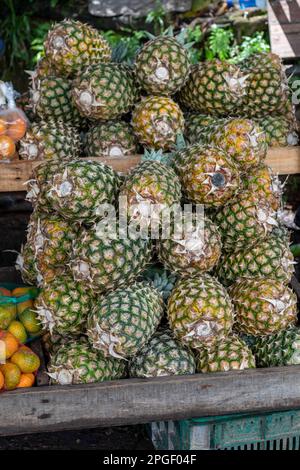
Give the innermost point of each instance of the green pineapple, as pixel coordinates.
(162, 66)
(216, 87)
(161, 356)
(105, 91)
(262, 182)
(279, 349)
(71, 45)
(51, 99)
(279, 131)
(200, 311)
(269, 258)
(63, 306)
(47, 140)
(245, 220)
(79, 190)
(123, 320)
(207, 175)
(36, 186)
(156, 122)
(78, 363)
(105, 261)
(111, 139)
(193, 247)
(197, 126)
(263, 306)
(231, 353)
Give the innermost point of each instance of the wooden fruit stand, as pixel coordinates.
(131, 401)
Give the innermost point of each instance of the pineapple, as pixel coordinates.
(71, 45)
(36, 186)
(63, 306)
(53, 343)
(263, 306)
(43, 69)
(150, 188)
(161, 279)
(207, 175)
(78, 363)
(104, 262)
(47, 249)
(245, 220)
(197, 126)
(51, 99)
(214, 87)
(123, 320)
(111, 139)
(279, 131)
(196, 250)
(200, 311)
(231, 353)
(80, 189)
(47, 140)
(269, 258)
(161, 356)
(262, 182)
(156, 122)
(279, 349)
(105, 91)
(162, 66)
(242, 140)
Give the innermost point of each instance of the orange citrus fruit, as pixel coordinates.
(26, 360)
(29, 319)
(27, 380)
(17, 329)
(7, 147)
(16, 128)
(5, 292)
(3, 126)
(1, 380)
(11, 343)
(12, 375)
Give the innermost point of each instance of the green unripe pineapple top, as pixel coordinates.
(279, 349)
(226, 354)
(162, 66)
(123, 320)
(161, 356)
(77, 362)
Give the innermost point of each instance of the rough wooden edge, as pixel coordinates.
(14, 175)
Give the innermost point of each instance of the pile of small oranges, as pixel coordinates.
(19, 317)
(18, 363)
(13, 126)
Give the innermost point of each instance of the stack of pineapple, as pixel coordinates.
(220, 299)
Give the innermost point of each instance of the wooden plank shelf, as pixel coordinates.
(14, 175)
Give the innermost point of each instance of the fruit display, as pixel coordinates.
(124, 292)
(18, 363)
(17, 312)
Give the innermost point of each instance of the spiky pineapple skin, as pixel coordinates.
(63, 305)
(262, 182)
(78, 190)
(279, 131)
(197, 125)
(200, 168)
(279, 349)
(51, 99)
(269, 258)
(162, 356)
(105, 91)
(111, 139)
(213, 87)
(79, 364)
(47, 140)
(263, 306)
(196, 251)
(200, 311)
(162, 66)
(105, 263)
(156, 121)
(243, 140)
(244, 220)
(125, 319)
(226, 354)
(71, 45)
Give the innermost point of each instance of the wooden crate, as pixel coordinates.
(13, 176)
(284, 27)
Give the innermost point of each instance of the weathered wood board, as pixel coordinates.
(14, 175)
(133, 401)
(284, 27)
(135, 8)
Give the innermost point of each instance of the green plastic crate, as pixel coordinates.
(270, 431)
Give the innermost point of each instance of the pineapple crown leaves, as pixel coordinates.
(166, 158)
(182, 37)
(120, 53)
